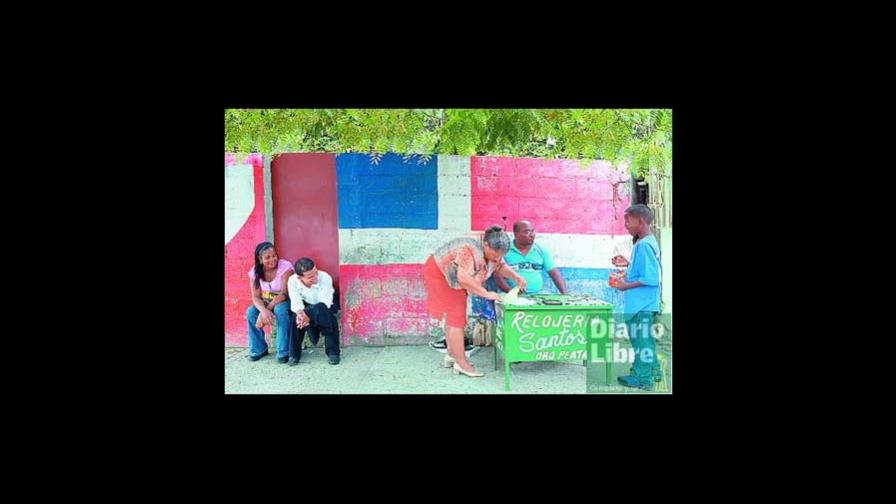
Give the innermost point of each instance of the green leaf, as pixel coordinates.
(641, 137)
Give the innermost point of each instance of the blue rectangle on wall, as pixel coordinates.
(390, 194)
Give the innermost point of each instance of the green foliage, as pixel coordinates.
(642, 138)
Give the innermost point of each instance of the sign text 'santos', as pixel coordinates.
(571, 330)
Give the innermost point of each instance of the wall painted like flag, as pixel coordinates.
(393, 214)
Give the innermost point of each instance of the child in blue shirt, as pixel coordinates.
(641, 294)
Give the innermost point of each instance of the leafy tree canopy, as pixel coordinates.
(641, 138)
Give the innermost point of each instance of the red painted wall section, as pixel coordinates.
(238, 259)
(556, 195)
(305, 209)
(384, 304)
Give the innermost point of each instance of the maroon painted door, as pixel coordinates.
(303, 187)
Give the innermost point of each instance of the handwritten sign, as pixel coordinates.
(550, 336)
(556, 331)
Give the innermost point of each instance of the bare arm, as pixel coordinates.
(508, 272)
(469, 283)
(619, 261)
(557, 277)
(265, 315)
(256, 297)
(501, 283)
(624, 286)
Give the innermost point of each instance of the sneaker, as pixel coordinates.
(633, 382)
(254, 358)
(282, 360)
(657, 374)
(334, 359)
(439, 346)
(442, 347)
(292, 361)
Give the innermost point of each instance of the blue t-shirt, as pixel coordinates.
(644, 268)
(529, 266)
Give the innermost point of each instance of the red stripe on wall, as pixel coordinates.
(557, 196)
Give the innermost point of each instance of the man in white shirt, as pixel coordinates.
(311, 298)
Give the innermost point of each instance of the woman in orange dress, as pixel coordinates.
(453, 271)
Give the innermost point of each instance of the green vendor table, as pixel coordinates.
(550, 327)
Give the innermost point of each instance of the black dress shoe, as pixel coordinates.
(334, 359)
(282, 360)
(292, 361)
(254, 358)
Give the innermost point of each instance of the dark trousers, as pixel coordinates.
(322, 321)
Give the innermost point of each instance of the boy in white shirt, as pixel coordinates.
(312, 298)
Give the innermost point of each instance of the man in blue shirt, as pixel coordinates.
(529, 260)
(641, 294)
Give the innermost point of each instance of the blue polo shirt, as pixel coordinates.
(644, 268)
(529, 266)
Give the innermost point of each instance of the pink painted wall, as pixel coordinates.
(558, 196)
(384, 304)
(238, 259)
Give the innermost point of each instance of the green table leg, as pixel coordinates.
(587, 339)
(506, 374)
(608, 354)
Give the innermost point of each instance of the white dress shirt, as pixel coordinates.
(300, 295)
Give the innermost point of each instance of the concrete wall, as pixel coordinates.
(393, 214)
(384, 304)
(571, 206)
(665, 236)
(558, 196)
(244, 228)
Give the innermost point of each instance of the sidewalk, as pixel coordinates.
(400, 370)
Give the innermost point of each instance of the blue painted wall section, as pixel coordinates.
(391, 194)
(591, 281)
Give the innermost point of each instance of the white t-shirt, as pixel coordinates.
(321, 292)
